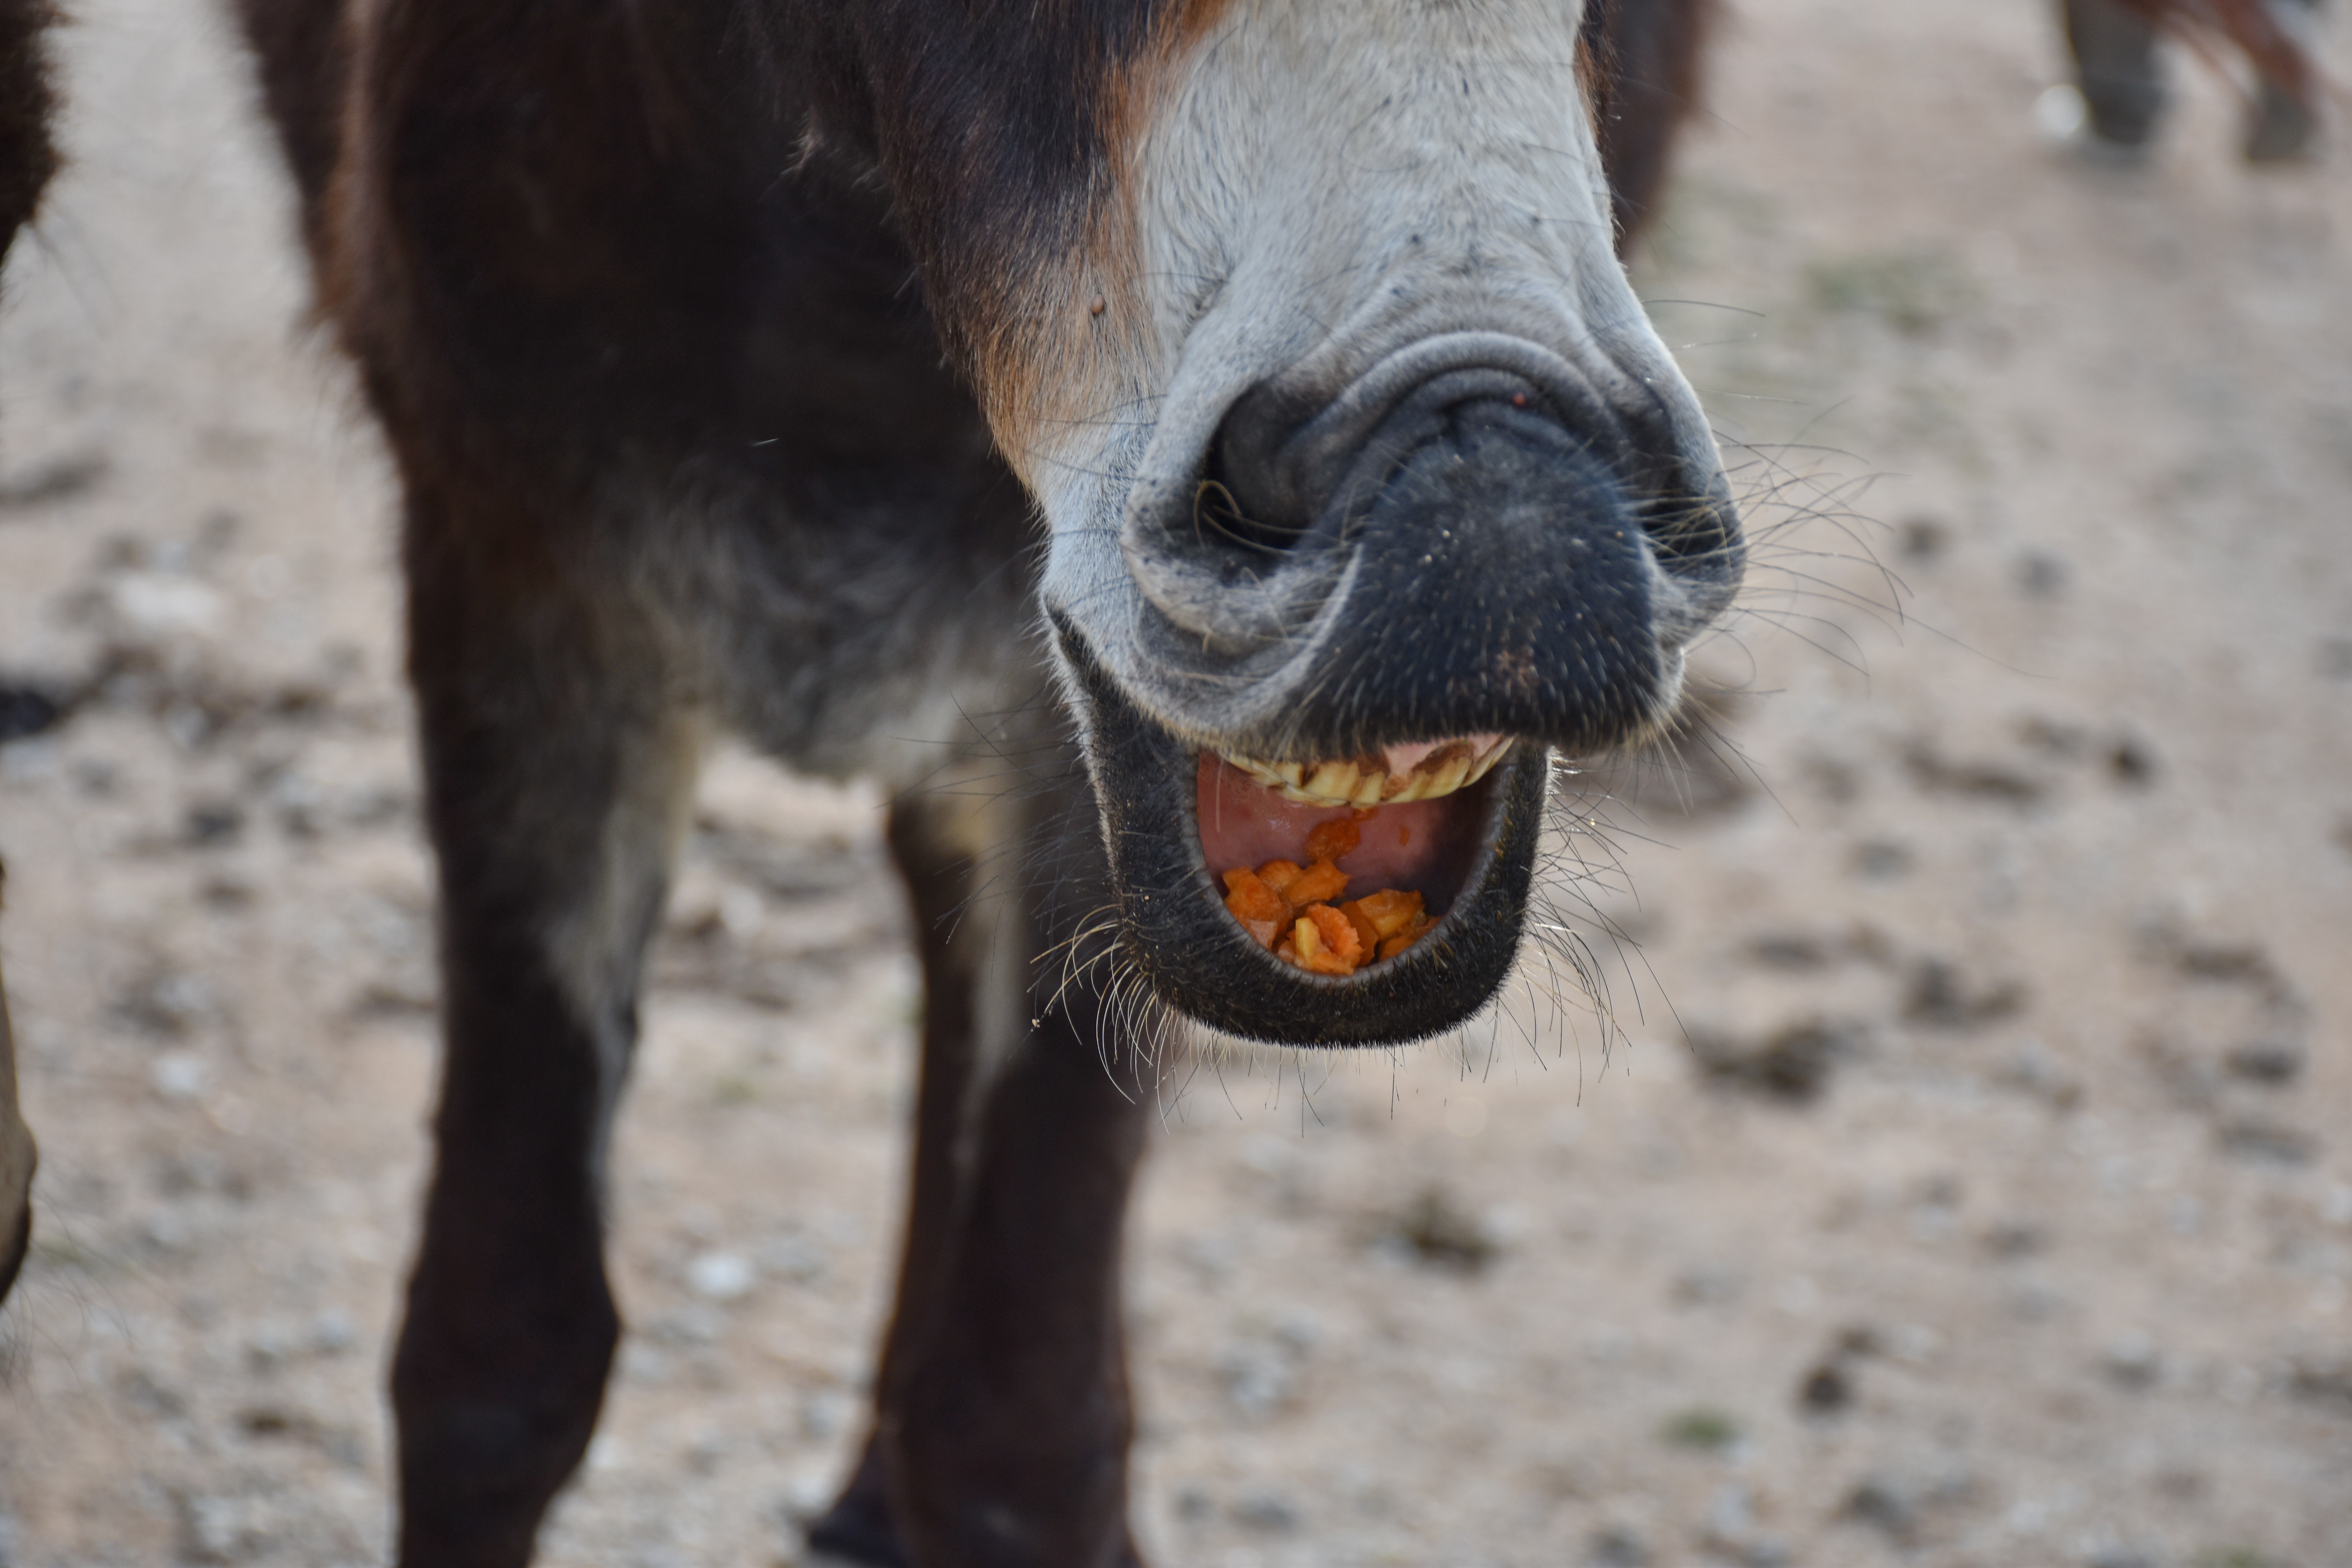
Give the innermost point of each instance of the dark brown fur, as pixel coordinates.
(27, 157)
(625, 364)
(1642, 84)
(27, 160)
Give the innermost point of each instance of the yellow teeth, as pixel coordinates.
(1365, 781)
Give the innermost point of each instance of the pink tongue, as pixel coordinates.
(1422, 845)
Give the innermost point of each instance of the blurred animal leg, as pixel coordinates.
(2117, 65)
(558, 777)
(934, 841)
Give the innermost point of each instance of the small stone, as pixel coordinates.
(266, 1347)
(2324, 1378)
(214, 824)
(1924, 538)
(1792, 1065)
(1265, 1510)
(807, 1494)
(169, 1004)
(216, 1530)
(2134, 1361)
(1882, 860)
(1619, 1546)
(165, 1231)
(179, 1075)
(823, 1415)
(2043, 575)
(1444, 1235)
(2276, 1062)
(152, 608)
(640, 1362)
(332, 1333)
(1298, 1331)
(688, 1326)
(2266, 1142)
(720, 1276)
(1827, 1389)
(2013, 1239)
(1258, 1378)
(1706, 1285)
(1889, 1502)
(794, 1258)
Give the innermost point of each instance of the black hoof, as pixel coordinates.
(857, 1529)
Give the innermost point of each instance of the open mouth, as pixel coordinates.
(1409, 865)
(1337, 865)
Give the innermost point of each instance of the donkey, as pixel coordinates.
(2113, 44)
(27, 159)
(1141, 432)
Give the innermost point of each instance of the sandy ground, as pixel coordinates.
(1969, 1183)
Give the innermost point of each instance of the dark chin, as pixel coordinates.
(1173, 925)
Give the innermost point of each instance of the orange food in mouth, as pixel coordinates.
(1294, 910)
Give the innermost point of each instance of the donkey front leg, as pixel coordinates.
(1005, 1417)
(939, 839)
(1002, 1418)
(1005, 1441)
(557, 783)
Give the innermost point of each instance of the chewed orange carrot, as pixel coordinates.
(1332, 839)
(1296, 912)
(1263, 912)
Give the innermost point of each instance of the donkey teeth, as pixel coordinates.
(1333, 782)
(1352, 783)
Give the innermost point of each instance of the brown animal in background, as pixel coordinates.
(27, 159)
(1249, 388)
(2113, 44)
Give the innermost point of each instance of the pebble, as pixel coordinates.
(721, 1276)
(154, 606)
(794, 1258)
(2134, 1360)
(1261, 1509)
(1620, 1546)
(179, 1075)
(823, 1414)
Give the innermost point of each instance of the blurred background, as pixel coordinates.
(1957, 1168)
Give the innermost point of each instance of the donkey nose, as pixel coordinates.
(1245, 558)
(1451, 541)
(1275, 473)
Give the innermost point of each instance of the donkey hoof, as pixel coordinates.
(856, 1530)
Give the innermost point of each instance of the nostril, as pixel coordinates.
(1279, 462)
(1221, 517)
(1247, 498)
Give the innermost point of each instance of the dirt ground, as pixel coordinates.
(1970, 1181)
